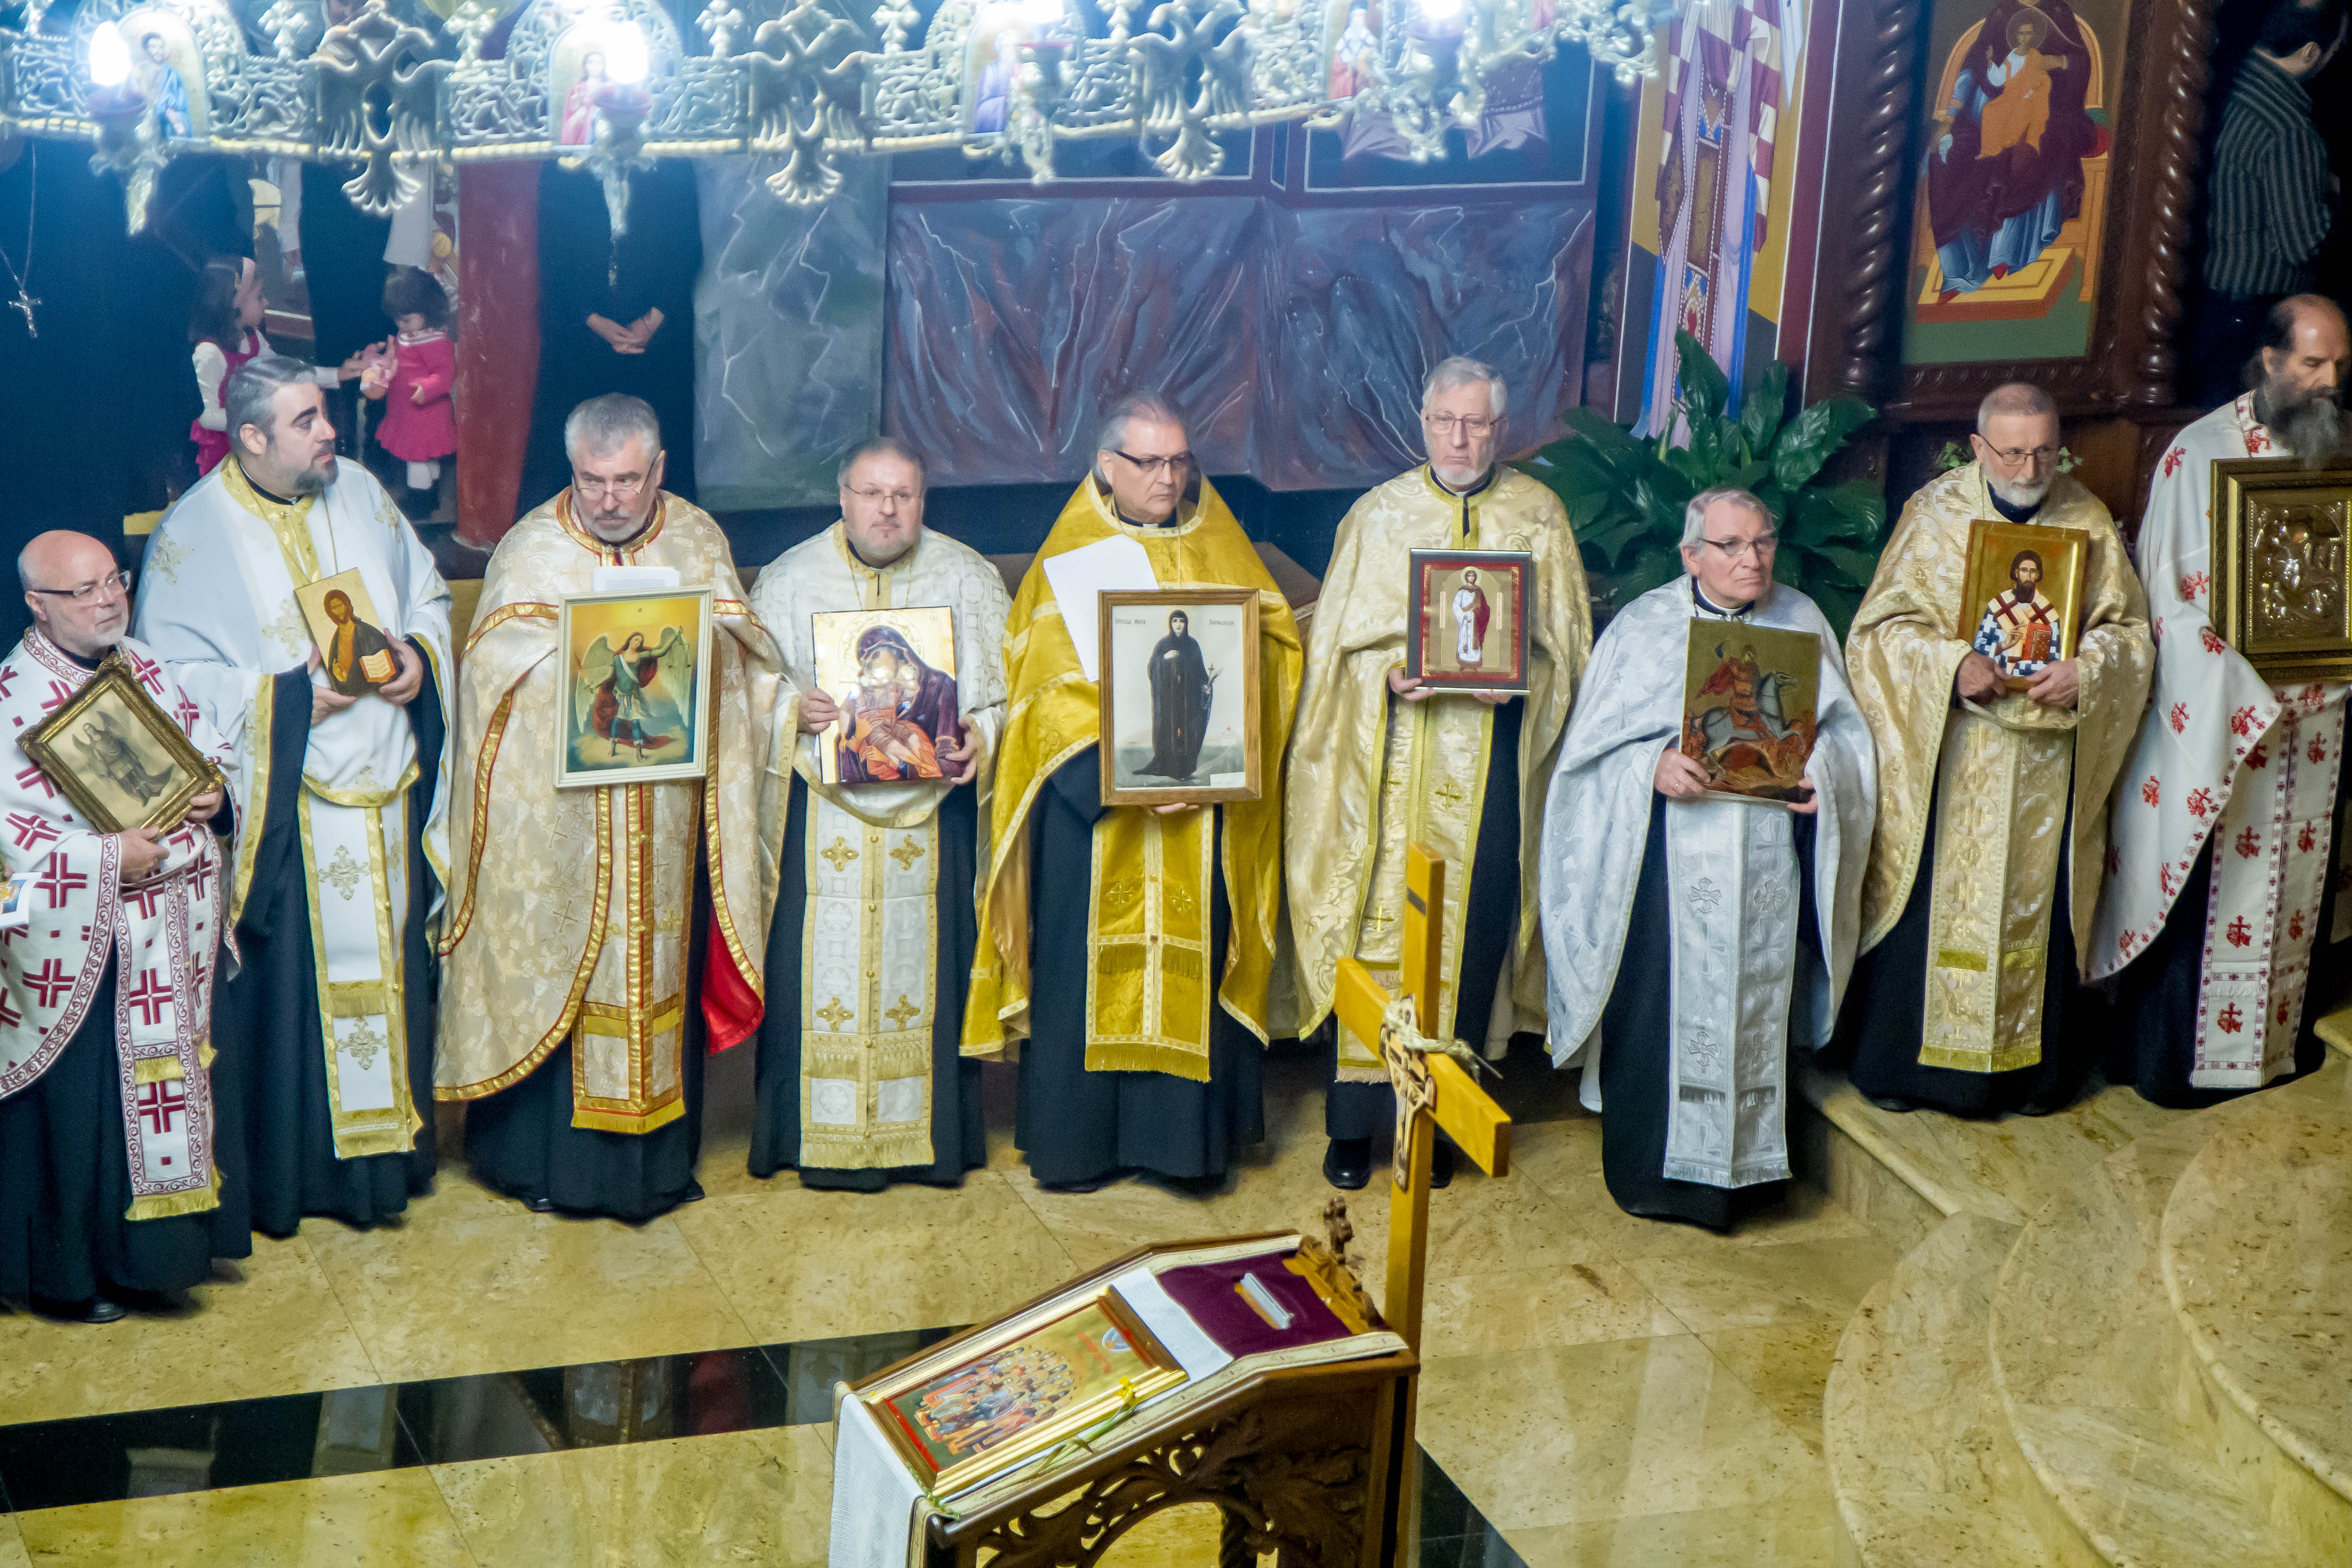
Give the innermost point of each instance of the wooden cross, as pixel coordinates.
(1449, 1099)
(1476, 1124)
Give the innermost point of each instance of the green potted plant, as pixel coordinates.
(1625, 497)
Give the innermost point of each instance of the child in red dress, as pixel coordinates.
(412, 374)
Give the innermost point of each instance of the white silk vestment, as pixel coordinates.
(2226, 754)
(1743, 989)
(163, 935)
(869, 941)
(217, 605)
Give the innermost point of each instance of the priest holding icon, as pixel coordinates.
(1692, 936)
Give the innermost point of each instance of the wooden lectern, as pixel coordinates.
(1314, 1464)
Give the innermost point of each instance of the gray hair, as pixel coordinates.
(250, 396)
(602, 423)
(1148, 406)
(1461, 371)
(1695, 515)
(883, 446)
(2013, 399)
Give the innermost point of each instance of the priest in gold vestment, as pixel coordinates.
(1380, 762)
(1992, 804)
(1133, 946)
(597, 936)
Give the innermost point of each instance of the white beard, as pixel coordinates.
(2022, 492)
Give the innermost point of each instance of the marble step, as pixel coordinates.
(2085, 1359)
(2256, 1250)
(1911, 1430)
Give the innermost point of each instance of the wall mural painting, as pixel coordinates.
(2013, 189)
(1712, 129)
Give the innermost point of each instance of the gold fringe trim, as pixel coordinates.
(166, 1206)
(157, 1070)
(653, 1120)
(2006, 1060)
(1144, 1056)
(257, 814)
(483, 765)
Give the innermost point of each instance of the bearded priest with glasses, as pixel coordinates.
(2224, 903)
(1992, 804)
(1132, 945)
(1381, 762)
(326, 1027)
(598, 938)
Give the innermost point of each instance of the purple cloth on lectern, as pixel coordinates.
(1205, 1291)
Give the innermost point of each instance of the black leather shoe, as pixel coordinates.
(1348, 1164)
(1441, 1165)
(97, 1310)
(539, 1205)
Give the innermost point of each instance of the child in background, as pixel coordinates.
(225, 325)
(412, 374)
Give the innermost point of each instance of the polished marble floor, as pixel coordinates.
(483, 1385)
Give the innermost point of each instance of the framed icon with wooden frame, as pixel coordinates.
(636, 673)
(982, 1406)
(353, 652)
(1179, 700)
(1469, 630)
(2022, 607)
(120, 761)
(2282, 591)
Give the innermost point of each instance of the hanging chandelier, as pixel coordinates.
(607, 85)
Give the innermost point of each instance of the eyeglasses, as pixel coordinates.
(1444, 424)
(2016, 454)
(90, 592)
(874, 498)
(614, 488)
(1764, 545)
(1155, 466)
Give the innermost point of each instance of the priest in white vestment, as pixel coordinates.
(2223, 905)
(109, 1160)
(1692, 939)
(861, 1078)
(599, 937)
(326, 1029)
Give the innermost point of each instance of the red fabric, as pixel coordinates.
(497, 339)
(1206, 1292)
(420, 431)
(729, 1005)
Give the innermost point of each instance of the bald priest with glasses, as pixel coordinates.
(1133, 946)
(1381, 762)
(1992, 804)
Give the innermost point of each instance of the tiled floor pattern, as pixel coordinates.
(1601, 1390)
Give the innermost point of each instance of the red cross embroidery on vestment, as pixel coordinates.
(159, 1102)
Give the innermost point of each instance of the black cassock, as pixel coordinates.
(1490, 920)
(1886, 1007)
(583, 271)
(959, 1131)
(2154, 1045)
(1076, 1126)
(1180, 707)
(271, 1075)
(1636, 1056)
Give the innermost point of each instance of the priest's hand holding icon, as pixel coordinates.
(325, 700)
(205, 807)
(817, 711)
(142, 854)
(963, 755)
(2059, 684)
(402, 687)
(1407, 686)
(1811, 803)
(1677, 776)
(1978, 679)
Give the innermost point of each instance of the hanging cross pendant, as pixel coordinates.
(22, 305)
